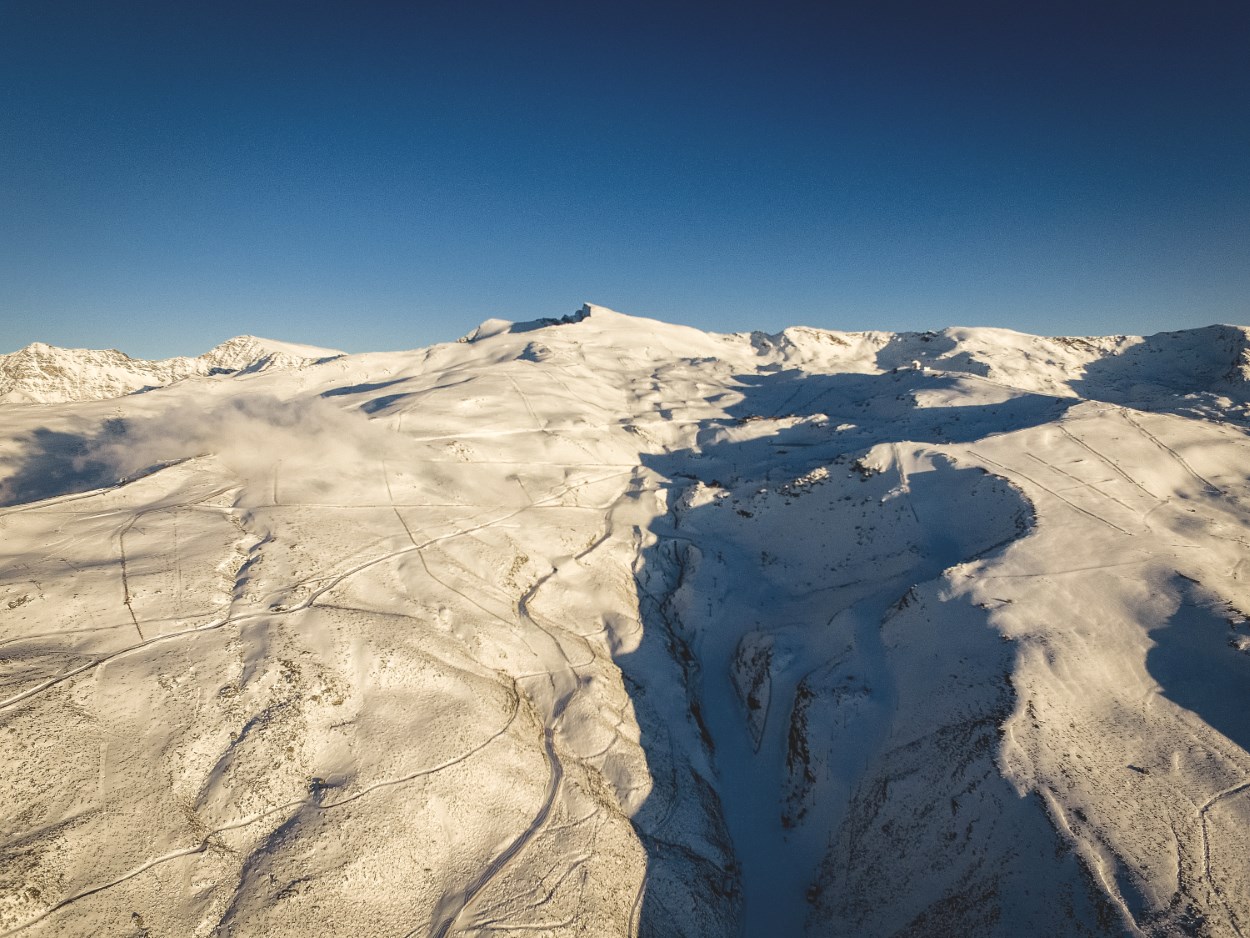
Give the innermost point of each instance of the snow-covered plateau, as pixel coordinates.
(603, 626)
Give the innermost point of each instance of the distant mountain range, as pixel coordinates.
(46, 374)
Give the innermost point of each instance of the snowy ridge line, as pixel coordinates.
(814, 633)
(42, 374)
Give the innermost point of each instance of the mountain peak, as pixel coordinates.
(252, 353)
(694, 633)
(489, 328)
(42, 373)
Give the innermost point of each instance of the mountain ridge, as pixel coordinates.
(41, 373)
(1217, 354)
(617, 627)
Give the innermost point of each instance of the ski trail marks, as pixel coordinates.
(309, 600)
(1082, 482)
(207, 840)
(1071, 504)
(538, 424)
(1211, 487)
(127, 600)
(561, 674)
(386, 477)
(1203, 810)
(1111, 463)
(514, 849)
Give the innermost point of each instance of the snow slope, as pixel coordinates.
(45, 374)
(604, 626)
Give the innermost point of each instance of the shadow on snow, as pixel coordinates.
(52, 463)
(1199, 666)
(820, 814)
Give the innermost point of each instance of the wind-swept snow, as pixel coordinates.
(604, 626)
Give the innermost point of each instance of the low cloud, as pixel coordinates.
(249, 436)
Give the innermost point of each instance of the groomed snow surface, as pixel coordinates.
(602, 626)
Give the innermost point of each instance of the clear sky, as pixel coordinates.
(372, 175)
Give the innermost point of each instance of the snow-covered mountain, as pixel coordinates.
(604, 626)
(46, 374)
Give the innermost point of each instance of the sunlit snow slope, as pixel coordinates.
(45, 374)
(603, 626)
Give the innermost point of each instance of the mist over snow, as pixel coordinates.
(598, 625)
(248, 436)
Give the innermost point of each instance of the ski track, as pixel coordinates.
(1203, 810)
(1093, 486)
(303, 604)
(302, 803)
(55, 500)
(500, 863)
(121, 547)
(538, 424)
(1114, 466)
(1075, 507)
(386, 477)
(462, 901)
(1094, 861)
(1211, 487)
(904, 486)
(556, 768)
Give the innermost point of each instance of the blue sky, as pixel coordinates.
(386, 175)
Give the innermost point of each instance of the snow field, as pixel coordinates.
(615, 627)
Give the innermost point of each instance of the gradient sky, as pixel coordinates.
(385, 175)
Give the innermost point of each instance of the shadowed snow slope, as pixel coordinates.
(603, 626)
